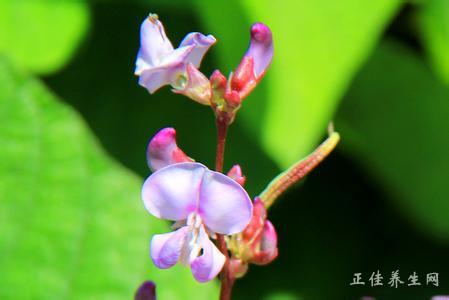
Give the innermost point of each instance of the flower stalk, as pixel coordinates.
(227, 279)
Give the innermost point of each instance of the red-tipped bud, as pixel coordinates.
(218, 83)
(236, 174)
(196, 86)
(243, 80)
(232, 99)
(163, 150)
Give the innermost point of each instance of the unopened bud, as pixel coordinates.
(163, 150)
(236, 174)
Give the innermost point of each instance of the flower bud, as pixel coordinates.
(236, 174)
(257, 244)
(147, 291)
(255, 61)
(268, 250)
(163, 150)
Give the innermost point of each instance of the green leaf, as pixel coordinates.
(395, 121)
(319, 45)
(42, 35)
(72, 222)
(434, 21)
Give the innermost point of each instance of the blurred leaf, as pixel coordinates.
(395, 121)
(42, 35)
(434, 21)
(71, 219)
(319, 45)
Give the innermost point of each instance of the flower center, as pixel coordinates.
(192, 246)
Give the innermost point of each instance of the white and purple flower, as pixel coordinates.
(201, 202)
(159, 64)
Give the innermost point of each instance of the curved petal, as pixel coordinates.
(172, 192)
(167, 72)
(224, 205)
(154, 44)
(166, 248)
(206, 266)
(163, 150)
(201, 44)
(260, 48)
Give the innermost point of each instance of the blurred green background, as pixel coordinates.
(75, 124)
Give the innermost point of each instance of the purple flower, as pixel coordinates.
(159, 64)
(147, 291)
(202, 202)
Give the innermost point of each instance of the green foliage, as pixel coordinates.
(42, 35)
(395, 121)
(72, 222)
(319, 45)
(434, 21)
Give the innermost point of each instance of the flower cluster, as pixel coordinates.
(159, 64)
(208, 205)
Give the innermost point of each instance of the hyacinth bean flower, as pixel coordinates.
(159, 64)
(202, 202)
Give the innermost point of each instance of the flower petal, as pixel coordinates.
(154, 44)
(166, 248)
(201, 44)
(206, 266)
(260, 48)
(172, 192)
(163, 150)
(224, 205)
(167, 72)
(196, 87)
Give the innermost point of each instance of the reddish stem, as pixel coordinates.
(227, 280)
(222, 131)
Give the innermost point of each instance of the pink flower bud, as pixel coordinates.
(258, 243)
(268, 250)
(163, 150)
(255, 61)
(236, 174)
(196, 86)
